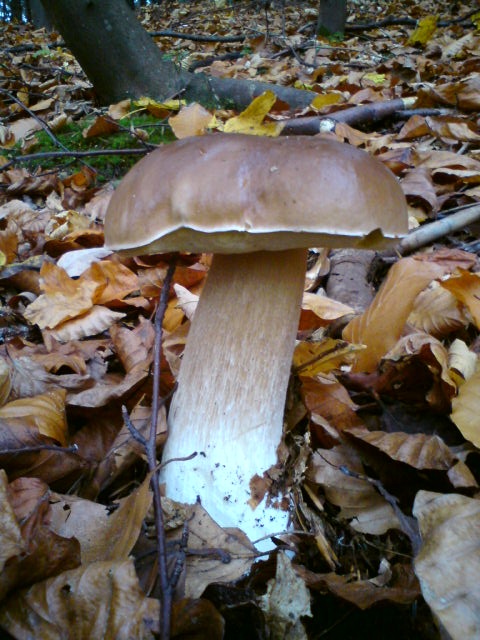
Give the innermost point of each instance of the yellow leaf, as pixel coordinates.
(250, 121)
(376, 78)
(424, 31)
(172, 105)
(325, 99)
(466, 408)
(46, 412)
(312, 358)
(476, 20)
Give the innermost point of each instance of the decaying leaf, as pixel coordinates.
(94, 602)
(287, 600)
(449, 561)
(102, 534)
(44, 413)
(418, 450)
(359, 501)
(11, 541)
(402, 587)
(205, 534)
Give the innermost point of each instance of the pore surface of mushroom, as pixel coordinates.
(257, 204)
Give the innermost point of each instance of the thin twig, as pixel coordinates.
(33, 115)
(196, 37)
(165, 586)
(74, 154)
(134, 432)
(40, 447)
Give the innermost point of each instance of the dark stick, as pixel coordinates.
(75, 154)
(165, 586)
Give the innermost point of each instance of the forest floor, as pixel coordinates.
(382, 459)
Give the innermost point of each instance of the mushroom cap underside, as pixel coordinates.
(231, 193)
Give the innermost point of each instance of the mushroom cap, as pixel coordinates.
(231, 193)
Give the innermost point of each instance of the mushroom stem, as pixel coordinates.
(232, 386)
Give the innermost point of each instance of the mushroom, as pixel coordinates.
(257, 204)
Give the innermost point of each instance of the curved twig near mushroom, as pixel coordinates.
(257, 203)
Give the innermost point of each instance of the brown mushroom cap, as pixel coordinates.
(218, 193)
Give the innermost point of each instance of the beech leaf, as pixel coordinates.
(448, 563)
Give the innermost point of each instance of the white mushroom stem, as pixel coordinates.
(232, 386)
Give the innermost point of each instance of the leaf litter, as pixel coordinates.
(381, 443)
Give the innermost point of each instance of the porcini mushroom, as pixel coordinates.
(257, 204)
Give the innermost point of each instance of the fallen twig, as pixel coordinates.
(428, 233)
(75, 154)
(166, 588)
(165, 585)
(362, 114)
(167, 33)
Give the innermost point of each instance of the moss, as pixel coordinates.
(107, 166)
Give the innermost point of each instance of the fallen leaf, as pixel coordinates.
(448, 563)
(251, 120)
(94, 602)
(286, 602)
(381, 325)
(368, 511)
(192, 120)
(466, 409)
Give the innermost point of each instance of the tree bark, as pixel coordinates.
(122, 61)
(38, 15)
(332, 15)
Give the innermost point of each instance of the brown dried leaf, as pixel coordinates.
(357, 498)
(101, 127)
(436, 311)
(30, 378)
(403, 587)
(325, 308)
(204, 533)
(103, 534)
(5, 381)
(417, 450)
(116, 281)
(287, 600)
(382, 323)
(64, 298)
(418, 187)
(44, 553)
(134, 346)
(448, 563)
(192, 120)
(466, 288)
(324, 396)
(44, 414)
(97, 320)
(196, 620)
(466, 409)
(11, 541)
(94, 602)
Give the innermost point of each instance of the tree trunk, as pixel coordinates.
(332, 15)
(38, 15)
(121, 60)
(17, 10)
